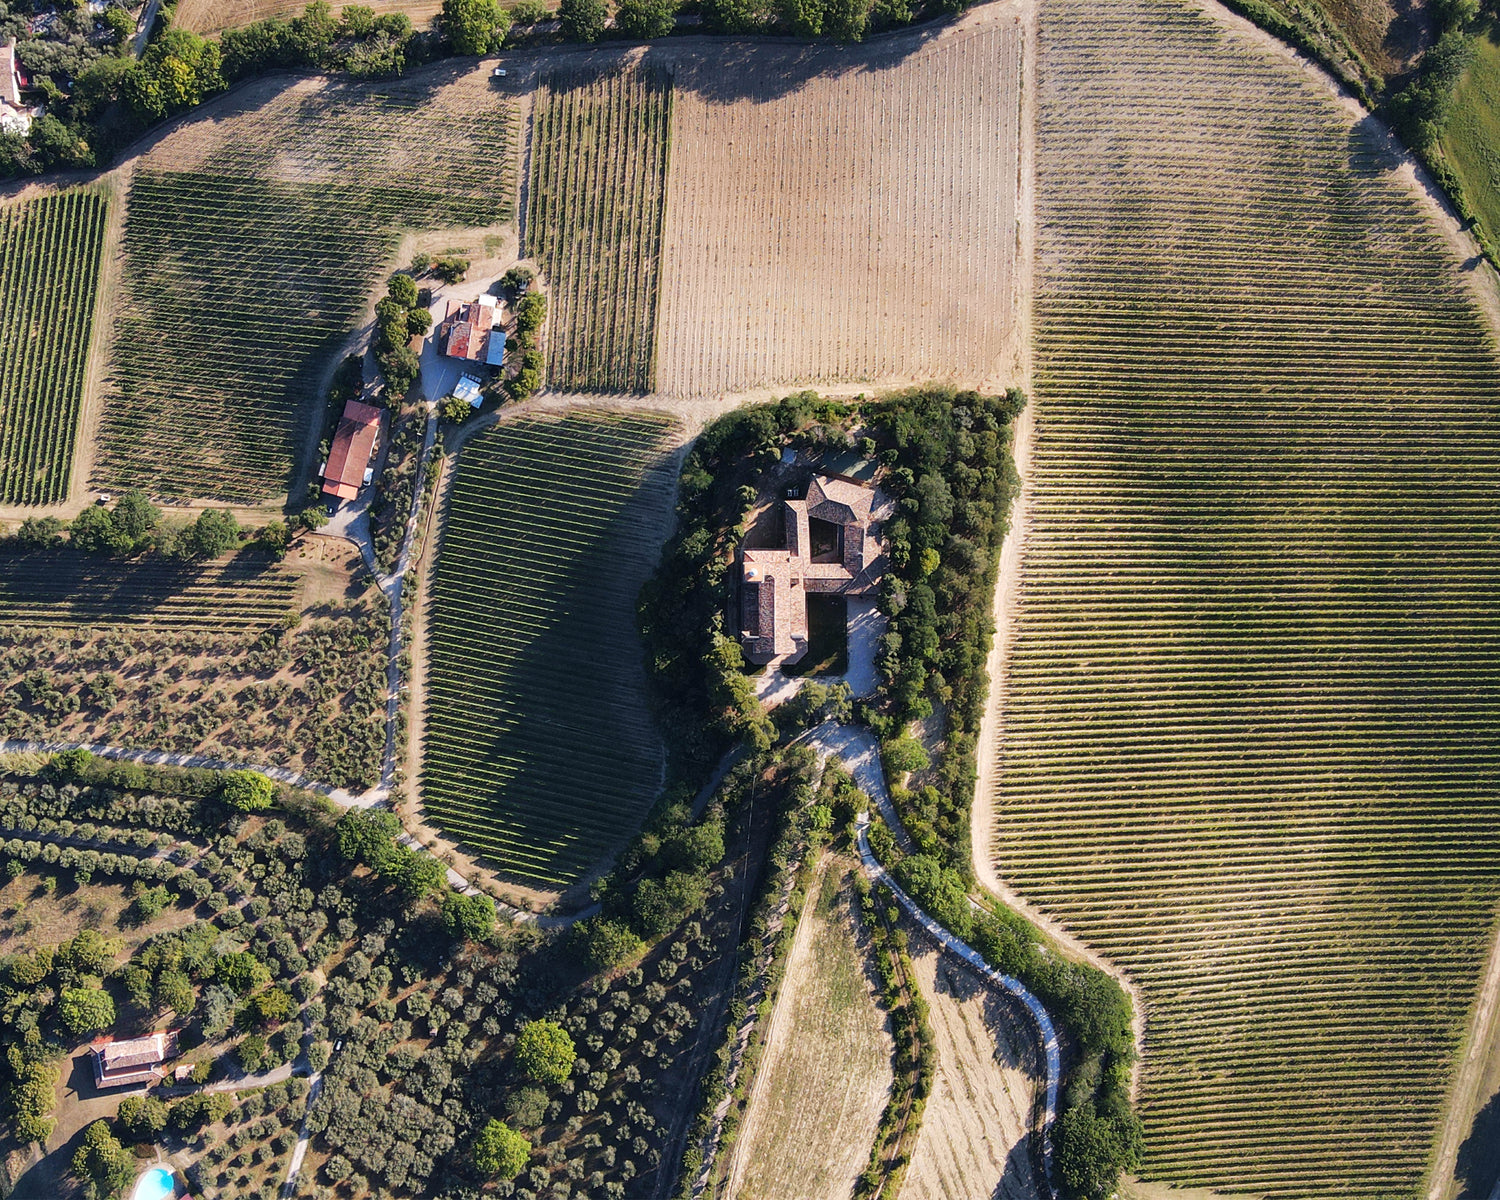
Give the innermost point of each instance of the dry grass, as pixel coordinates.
(974, 1139)
(212, 16)
(845, 214)
(826, 1074)
(31, 914)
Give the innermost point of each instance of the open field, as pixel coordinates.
(825, 1075)
(211, 16)
(1249, 735)
(974, 1139)
(49, 271)
(539, 751)
(255, 234)
(849, 214)
(598, 186)
(1471, 140)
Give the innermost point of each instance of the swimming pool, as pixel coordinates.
(155, 1184)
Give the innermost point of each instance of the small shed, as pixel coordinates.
(468, 391)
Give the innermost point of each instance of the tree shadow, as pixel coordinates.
(1478, 1167)
(1373, 149)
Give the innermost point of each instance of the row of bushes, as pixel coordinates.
(801, 822)
(916, 1046)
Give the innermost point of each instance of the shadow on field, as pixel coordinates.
(1478, 1168)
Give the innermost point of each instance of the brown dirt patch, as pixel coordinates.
(878, 239)
(975, 1132)
(826, 1072)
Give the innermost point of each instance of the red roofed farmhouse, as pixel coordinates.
(777, 582)
(468, 332)
(15, 117)
(349, 456)
(133, 1062)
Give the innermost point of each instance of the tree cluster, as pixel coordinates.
(398, 319)
(531, 312)
(132, 526)
(356, 41)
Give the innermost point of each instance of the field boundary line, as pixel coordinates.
(1461, 1108)
(91, 402)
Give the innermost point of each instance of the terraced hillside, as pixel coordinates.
(539, 750)
(1251, 723)
(253, 238)
(49, 275)
(598, 192)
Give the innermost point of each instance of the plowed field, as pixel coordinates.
(845, 214)
(974, 1139)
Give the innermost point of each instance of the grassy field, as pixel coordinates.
(1249, 734)
(49, 273)
(598, 191)
(1471, 141)
(826, 1073)
(539, 750)
(253, 238)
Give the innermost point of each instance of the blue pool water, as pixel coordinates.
(155, 1184)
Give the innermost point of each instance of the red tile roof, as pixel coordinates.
(11, 80)
(136, 1060)
(350, 453)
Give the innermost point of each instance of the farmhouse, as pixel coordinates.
(832, 548)
(348, 465)
(15, 117)
(134, 1061)
(469, 331)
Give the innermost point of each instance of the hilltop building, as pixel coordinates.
(15, 116)
(132, 1062)
(348, 466)
(472, 332)
(832, 548)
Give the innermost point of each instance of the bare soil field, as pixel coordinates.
(212, 16)
(826, 1072)
(975, 1138)
(846, 214)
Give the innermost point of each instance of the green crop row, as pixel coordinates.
(539, 751)
(1251, 722)
(49, 272)
(243, 279)
(598, 198)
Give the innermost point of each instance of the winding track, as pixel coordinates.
(858, 750)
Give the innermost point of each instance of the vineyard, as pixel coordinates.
(598, 190)
(252, 243)
(539, 750)
(843, 214)
(1249, 737)
(64, 589)
(49, 273)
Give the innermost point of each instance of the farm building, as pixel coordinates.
(470, 332)
(134, 1061)
(348, 466)
(833, 548)
(15, 116)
